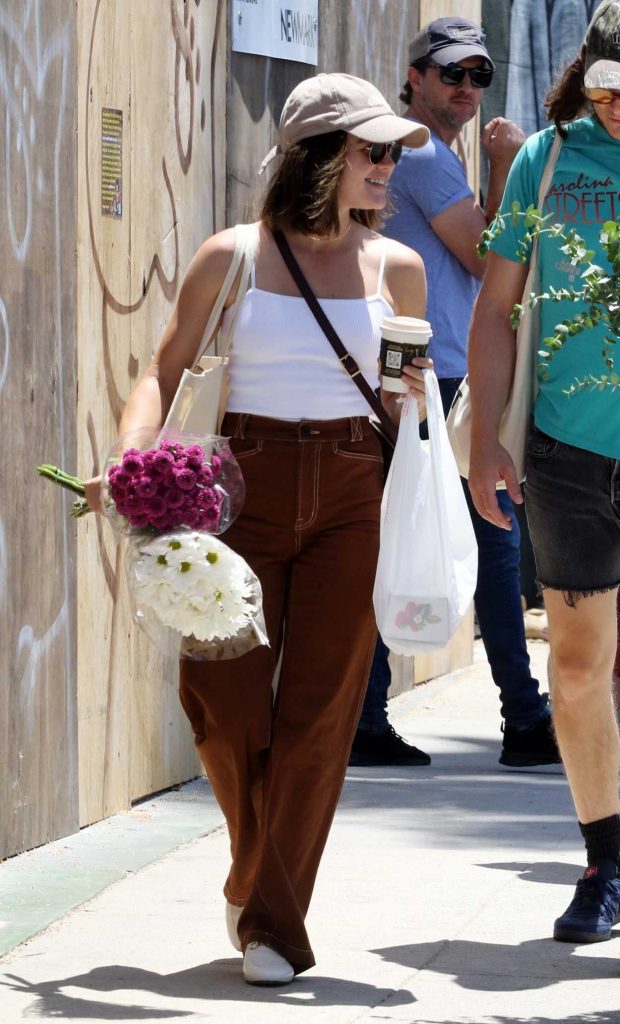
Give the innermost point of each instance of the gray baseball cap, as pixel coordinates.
(602, 66)
(339, 102)
(448, 40)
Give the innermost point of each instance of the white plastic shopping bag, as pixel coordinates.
(428, 558)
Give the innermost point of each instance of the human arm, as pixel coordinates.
(405, 281)
(460, 224)
(148, 404)
(491, 369)
(501, 140)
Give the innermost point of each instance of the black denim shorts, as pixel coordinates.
(572, 500)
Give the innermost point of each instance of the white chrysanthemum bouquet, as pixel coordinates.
(193, 584)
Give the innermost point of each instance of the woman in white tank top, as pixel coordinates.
(310, 524)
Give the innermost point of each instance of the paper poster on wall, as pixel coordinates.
(111, 162)
(287, 29)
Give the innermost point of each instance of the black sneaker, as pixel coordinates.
(525, 748)
(384, 748)
(593, 912)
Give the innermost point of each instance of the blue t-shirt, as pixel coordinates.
(425, 182)
(584, 193)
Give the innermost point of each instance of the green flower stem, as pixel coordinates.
(71, 483)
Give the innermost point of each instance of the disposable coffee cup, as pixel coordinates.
(403, 338)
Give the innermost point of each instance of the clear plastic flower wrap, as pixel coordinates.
(168, 496)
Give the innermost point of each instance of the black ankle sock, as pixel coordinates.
(602, 839)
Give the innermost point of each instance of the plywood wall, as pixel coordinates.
(38, 732)
(162, 64)
(89, 718)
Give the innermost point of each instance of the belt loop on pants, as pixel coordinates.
(357, 433)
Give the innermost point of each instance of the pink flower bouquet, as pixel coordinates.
(171, 483)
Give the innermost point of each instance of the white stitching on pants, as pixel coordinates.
(302, 524)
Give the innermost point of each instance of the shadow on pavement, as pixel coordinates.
(550, 872)
(505, 808)
(493, 967)
(220, 980)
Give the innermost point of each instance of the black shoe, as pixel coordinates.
(525, 748)
(384, 748)
(593, 911)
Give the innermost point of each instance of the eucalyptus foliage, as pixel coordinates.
(598, 294)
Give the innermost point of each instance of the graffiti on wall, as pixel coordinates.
(161, 266)
(36, 60)
(38, 313)
(167, 84)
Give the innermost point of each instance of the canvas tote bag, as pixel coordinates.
(516, 419)
(198, 404)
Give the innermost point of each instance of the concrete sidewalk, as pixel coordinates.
(434, 903)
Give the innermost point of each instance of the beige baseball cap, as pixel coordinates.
(339, 102)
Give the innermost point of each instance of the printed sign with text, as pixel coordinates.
(287, 29)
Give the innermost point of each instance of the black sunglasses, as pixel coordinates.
(453, 74)
(377, 150)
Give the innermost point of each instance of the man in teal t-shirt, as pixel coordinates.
(572, 489)
(584, 193)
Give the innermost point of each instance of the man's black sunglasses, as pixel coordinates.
(453, 74)
(377, 150)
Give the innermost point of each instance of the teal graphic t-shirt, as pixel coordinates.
(584, 193)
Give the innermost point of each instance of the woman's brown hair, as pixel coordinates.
(303, 193)
(566, 100)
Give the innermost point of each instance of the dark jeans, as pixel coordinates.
(500, 615)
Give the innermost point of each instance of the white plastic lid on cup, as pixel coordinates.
(406, 328)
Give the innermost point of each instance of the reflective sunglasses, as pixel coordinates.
(377, 150)
(453, 74)
(602, 95)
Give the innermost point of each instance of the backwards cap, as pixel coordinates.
(602, 67)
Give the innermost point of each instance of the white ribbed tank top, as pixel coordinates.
(283, 366)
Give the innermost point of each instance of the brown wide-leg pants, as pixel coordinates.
(310, 530)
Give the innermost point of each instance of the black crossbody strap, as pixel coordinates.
(348, 362)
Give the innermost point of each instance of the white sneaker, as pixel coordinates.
(233, 914)
(263, 966)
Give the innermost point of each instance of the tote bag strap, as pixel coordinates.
(532, 322)
(545, 182)
(246, 245)
(552, 159)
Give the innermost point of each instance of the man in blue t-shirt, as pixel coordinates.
(436, 213)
